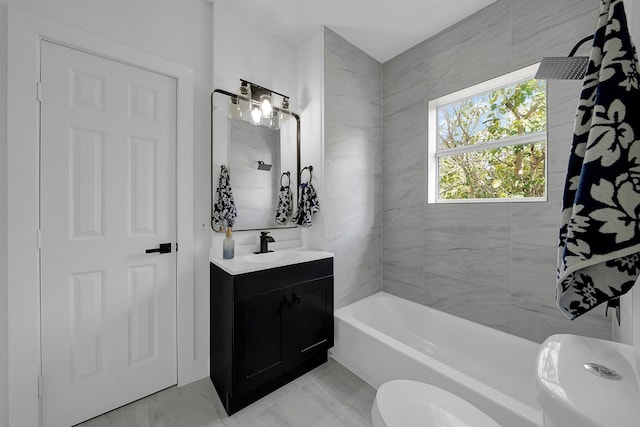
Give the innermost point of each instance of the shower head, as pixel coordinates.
(262, 166)
(565, 68)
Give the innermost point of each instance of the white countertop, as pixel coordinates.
(255, 262)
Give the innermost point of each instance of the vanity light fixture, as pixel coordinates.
(275, 120)
(244, 99)
(256, 104)
(235, 110)
(284, 111)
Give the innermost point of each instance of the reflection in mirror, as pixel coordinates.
(257, 156)
(255, 184)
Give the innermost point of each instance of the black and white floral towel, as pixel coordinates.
(284, 210)
(307, 205)
(224, 209)
(599, 241)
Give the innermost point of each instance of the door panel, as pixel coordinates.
(313, 317)
(142, 173)
(143, 309)
(258, 339)
(87, 342)
(86, 163)
(108, 309)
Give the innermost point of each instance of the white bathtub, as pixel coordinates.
(383, 337)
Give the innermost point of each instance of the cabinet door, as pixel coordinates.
(259, 344)
(312, 325)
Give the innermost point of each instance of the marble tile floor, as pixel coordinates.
(328, 396)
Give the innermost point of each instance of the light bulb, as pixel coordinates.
(265, 106)
(284, 111)
(244, 99)
(275, 121)
(234, 109)
(256, 115)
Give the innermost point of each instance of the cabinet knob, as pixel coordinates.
(290, 301)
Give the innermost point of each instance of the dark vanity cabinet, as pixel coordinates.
(268, 327)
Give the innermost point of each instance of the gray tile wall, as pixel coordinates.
(4, 324)
(490, 263)
(352, 199)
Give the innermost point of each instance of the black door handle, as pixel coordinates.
(163, 249)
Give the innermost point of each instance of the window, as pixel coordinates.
(488, 142)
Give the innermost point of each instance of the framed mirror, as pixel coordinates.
(262, 157)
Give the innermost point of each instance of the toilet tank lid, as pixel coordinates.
(566, 390)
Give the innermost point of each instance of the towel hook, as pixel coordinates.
(288, 174)
(308, 169)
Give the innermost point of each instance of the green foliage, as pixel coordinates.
(494, 172)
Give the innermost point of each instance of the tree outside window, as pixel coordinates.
(491, 145)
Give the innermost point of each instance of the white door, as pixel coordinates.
(108, 180)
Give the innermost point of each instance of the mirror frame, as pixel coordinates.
(212, 177)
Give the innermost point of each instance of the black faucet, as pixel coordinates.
(264, 242)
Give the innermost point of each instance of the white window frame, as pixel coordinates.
(433, 154)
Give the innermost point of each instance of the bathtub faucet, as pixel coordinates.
(264, 242)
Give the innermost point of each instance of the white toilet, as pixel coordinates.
(588, 382)
(406, 403)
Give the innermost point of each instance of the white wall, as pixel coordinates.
(311, 105)
(249, 53)
(178, 31)
(245, 52)
(4, 392)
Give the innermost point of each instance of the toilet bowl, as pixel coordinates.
(406, 403)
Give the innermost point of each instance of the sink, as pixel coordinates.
(271, 257)
(246, 263)
(588, 382)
